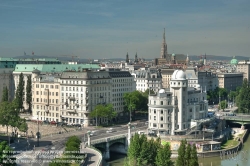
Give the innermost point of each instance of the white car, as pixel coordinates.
(110, 130)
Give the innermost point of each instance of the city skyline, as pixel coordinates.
(110, 29)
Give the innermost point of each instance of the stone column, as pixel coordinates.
(107, 154)
(129, 133)
(89, 141)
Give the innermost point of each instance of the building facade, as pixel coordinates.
(230, 81)
(146, 79)
(172, 112)
(244, 67)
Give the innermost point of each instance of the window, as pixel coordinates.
(56, 93)
(161, 111)
(161, 102)
(154, 111)
(161, 118)
(154, 117)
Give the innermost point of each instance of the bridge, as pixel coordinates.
(117, 141)
(238, 118)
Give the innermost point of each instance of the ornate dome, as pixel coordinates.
(173, 54)
(234, 61)
(178, 75)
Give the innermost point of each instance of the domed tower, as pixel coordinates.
(35, 73)
(178, 87)
(173, 59)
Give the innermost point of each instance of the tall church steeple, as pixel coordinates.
(164, 47)
(127, 58)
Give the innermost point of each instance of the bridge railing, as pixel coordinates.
(99, 163)
(111, 138)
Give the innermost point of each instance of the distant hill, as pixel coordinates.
(82, 60)
(218, 57)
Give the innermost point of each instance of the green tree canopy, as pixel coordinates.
(164, 156)
(20, 92)
(242, 100)
(29, 93)
(181, 161)
(5, 96)
(223, 104)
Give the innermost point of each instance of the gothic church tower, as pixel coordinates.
(164, 51)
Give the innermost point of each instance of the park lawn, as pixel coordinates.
(229, 144)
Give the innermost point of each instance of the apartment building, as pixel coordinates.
(27, 70)
(244, 67)
(230, 81)
(146, 79)
(46, 96)
(166, 74)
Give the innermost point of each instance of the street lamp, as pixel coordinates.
(130, 116)
(38, 134)
(96, 111)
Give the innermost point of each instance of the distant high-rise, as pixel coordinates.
(164, 51)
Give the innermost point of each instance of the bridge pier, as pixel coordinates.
(107, 154)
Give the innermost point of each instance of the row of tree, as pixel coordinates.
(71, 153)
(144, 152)
(104, 111)
(243, 98)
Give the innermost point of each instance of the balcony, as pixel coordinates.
(72, 98)
(72, 111)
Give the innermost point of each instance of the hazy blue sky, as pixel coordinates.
(111, 28)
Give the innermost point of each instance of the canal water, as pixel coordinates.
(242, 159)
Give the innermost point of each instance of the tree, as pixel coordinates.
(109, 112)
(223, 104)
(97, 112)
(134, 149)
(242, 100)
(180, 161)
(6, 155)
(5, 96)
(8, 114)
(20, 92)
(29, 93)
(144, 152)
(163, 156)
(193, 157)
(188, 154)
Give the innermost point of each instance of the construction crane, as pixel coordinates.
(72, 56)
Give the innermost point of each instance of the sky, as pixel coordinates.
(97, 29)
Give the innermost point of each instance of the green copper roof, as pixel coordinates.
(53, 67)
(234, 61)
(173, 54)
(29, 59)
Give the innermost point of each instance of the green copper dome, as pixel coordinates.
(234, 61)
(173, 54)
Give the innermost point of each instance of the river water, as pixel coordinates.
(242, 159)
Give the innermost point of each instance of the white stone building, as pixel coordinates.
(146, 79)
(79, 93)
(176, 110)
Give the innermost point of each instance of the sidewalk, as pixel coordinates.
(93, 157)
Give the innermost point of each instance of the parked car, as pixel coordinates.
(77, 125)
(53, 122)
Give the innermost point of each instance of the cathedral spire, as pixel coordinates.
(127, 58)
(164, 47)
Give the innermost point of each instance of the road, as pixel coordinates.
(30, 155)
